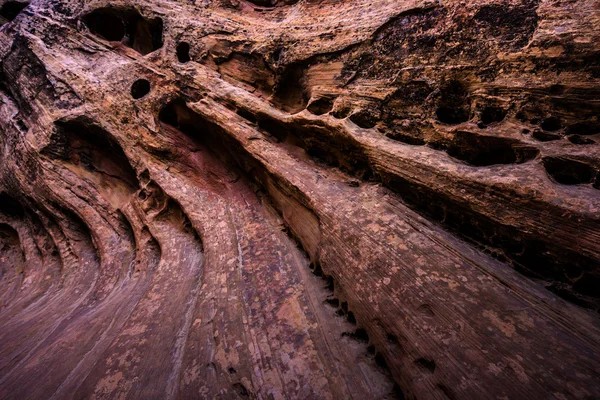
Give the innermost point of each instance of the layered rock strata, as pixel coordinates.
(314, 199)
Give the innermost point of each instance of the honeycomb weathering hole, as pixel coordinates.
(551, 124)
(453, 107)
(576, 139)
(482, 150)
(489, 115)
(583, 128)
(364, 119)
(183, 52)
(106, 24)
(140, 88)
(321, 106)
(568, 171)
(127, 26)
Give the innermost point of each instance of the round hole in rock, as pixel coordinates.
(183, 52)
(489, 115)
(551, 124)
(140, 88)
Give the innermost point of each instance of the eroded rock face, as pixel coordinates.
(315, 199)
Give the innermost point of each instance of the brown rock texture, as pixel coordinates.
(300, 199)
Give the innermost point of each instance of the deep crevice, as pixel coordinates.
(452, 116)
(545, 136)
(338, 151)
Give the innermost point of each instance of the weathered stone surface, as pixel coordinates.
(314, 199)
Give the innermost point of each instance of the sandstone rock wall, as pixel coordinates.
(314, 199)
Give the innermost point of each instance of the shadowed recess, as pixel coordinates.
(127, 26)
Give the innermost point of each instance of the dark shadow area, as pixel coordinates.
(273, 3)
(321, 105)
(588, 285)
(183, 52)
(85, 145)
(140, 88)
(544, 136)
(568, 171)
(482, 150)
(291, 94)
(453, 106)
(551, 124)
(490, 115)
(364, 119)
(11, 207)
(452, 116)
(337, 151)
(576, 139)
(10, 10)
(126, 26)
(583, 128)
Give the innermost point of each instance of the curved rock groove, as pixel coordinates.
(299, 199)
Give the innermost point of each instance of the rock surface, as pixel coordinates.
(311, 199)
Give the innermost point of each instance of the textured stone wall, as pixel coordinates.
(313, 199)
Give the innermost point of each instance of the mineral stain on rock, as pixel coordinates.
(299, 199)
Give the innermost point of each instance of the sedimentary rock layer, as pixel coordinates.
(314, 199)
